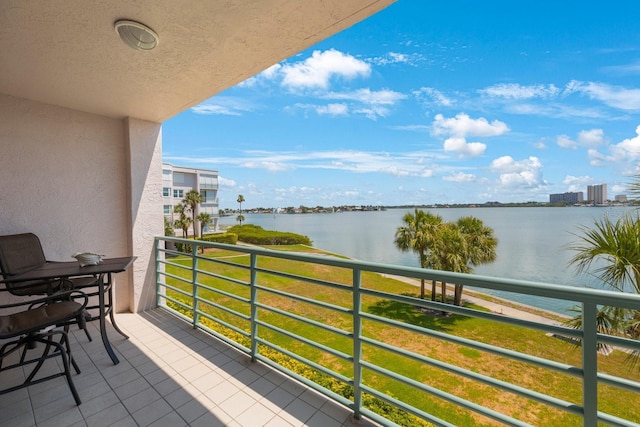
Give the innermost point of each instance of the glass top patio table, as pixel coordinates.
(102, 272)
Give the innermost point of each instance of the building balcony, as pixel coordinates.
(230, 344)
(169, 375)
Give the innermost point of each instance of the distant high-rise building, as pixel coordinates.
(597, 194)
(569, 198)
(621, 198)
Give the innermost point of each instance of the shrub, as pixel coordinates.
(230, 238)
(256, 235)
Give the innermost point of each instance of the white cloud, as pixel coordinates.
(270, 166)
(317, 71)
(624, 151)
(367, 96)
(371, 104)
(431, 95)
(613, 96)
(516, 91)
(333, 109)
(577, 183)
(565, 142)
(628, 148)
(524, 173)
(591, 138)
(624, 69)
(265, 76)
(540, 145)
(226, 183)
(464, 148)
(586, 138)
(398, 58)
(223, 105)
(462, 126)
(460, 177)
(577, 180)
(399, 164)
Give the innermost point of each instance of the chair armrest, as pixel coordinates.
(60, 296)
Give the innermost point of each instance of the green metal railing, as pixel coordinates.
(232, 296)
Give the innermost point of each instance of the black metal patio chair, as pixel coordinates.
(44, 321)
(22, 252)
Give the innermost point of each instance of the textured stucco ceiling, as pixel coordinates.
(67, 53)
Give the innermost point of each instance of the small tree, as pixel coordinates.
(417, 235)
(451, 246)
(240, 218)
(168, 228)
(204, 219)
(181, 221)
(190, 202)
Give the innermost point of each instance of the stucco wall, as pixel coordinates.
(66, 177)
(146, 215)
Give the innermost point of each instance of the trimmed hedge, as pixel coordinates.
(256, 235)
(230, 238)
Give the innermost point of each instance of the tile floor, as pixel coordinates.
(168, 375)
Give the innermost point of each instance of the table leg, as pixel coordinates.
(111, 309)
(103, 324)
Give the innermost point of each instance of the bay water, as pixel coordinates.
(533, 242)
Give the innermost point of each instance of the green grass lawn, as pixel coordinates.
(611, 400)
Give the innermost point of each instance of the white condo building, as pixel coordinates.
(177, 181)
(597, 194)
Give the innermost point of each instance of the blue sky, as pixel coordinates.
(432, 102)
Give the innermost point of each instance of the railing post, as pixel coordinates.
(357, 343)
(194, 283)
(254, 308)
(590, 364)
(156, 256)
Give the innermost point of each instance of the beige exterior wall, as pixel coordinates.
(80, 182)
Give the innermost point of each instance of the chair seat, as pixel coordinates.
(38, 318)
(35, 287)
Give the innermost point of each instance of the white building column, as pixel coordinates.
(144, 144)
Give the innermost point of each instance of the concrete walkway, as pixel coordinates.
(507, 308)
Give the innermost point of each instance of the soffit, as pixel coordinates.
(67, 52)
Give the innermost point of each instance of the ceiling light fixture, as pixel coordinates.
(136, 35)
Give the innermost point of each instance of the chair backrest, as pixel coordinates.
(20, 253)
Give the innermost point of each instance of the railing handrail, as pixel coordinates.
(577, 294)
(589, 299)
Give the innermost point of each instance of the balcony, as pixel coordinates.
(169, 375)
(224, 348)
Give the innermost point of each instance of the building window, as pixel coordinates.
(179, 194)
(167, 209)
(166, 191)
(178, 178)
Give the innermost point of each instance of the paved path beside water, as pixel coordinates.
(508, 308)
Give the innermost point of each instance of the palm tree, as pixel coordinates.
(480, 247)
(179, 209)
(191, 201)
(448, 252)
(611, 252)
(417, 235)
(240, 199)
(204, 219)
(450, 246)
